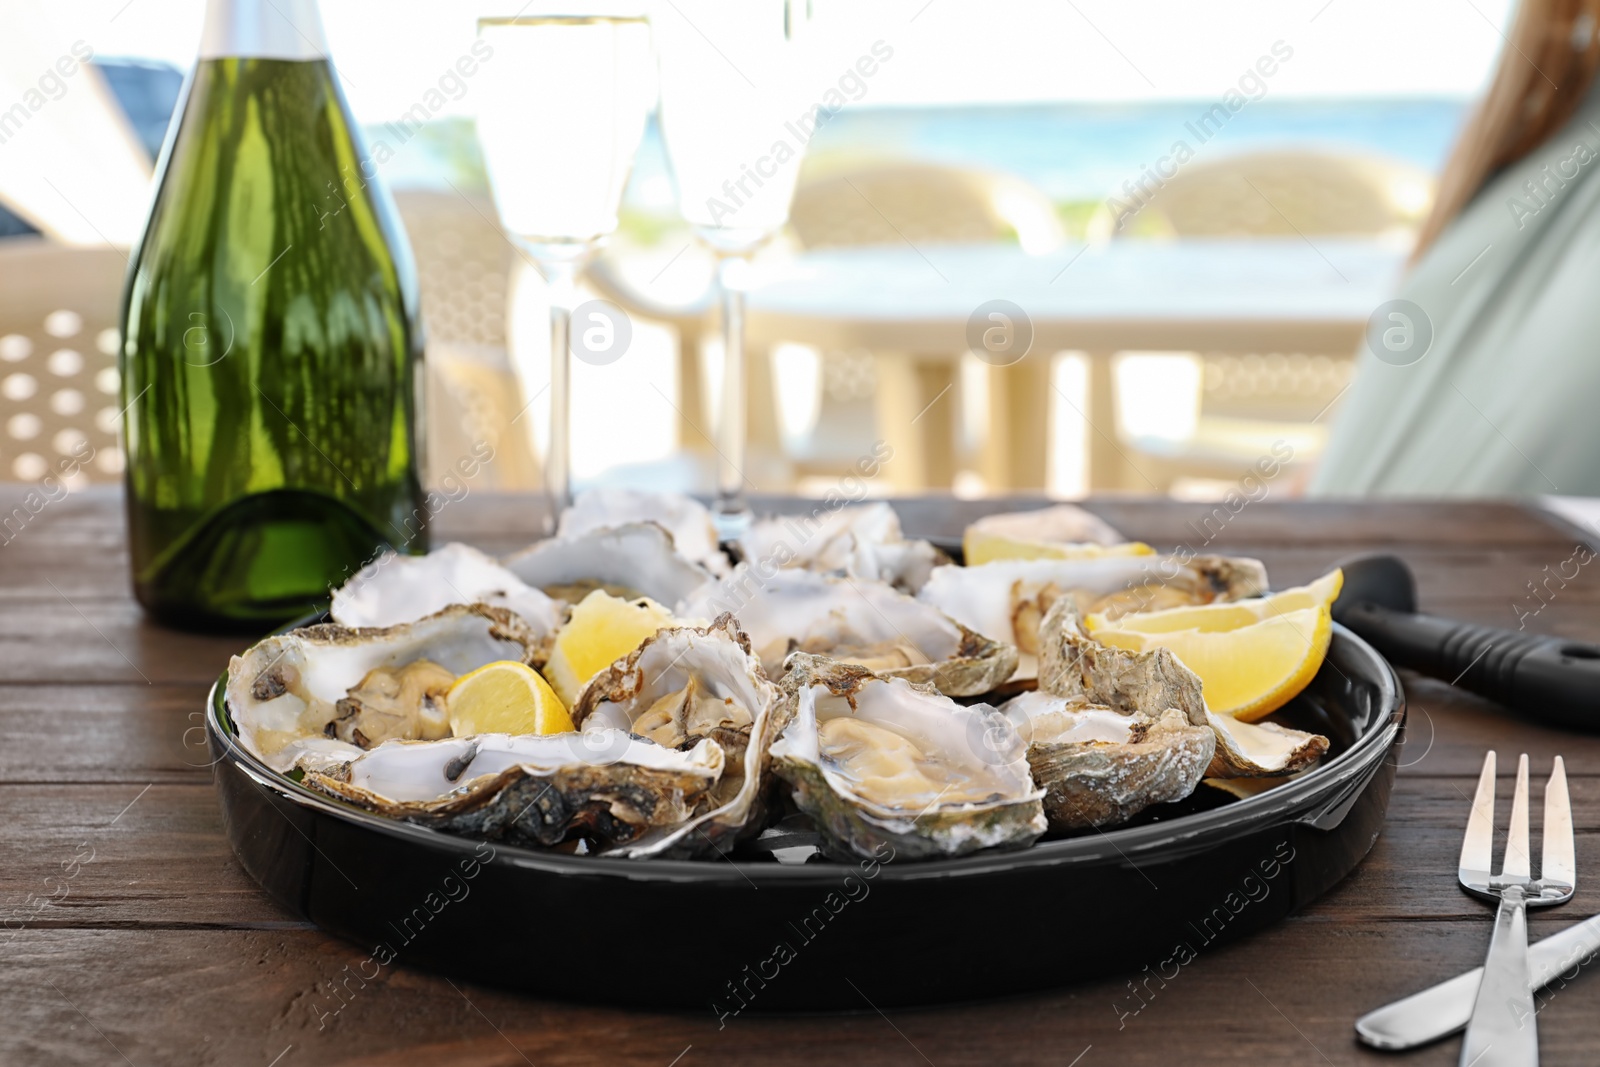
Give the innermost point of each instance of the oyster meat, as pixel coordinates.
(361, 686)
(394, 589)
(605, 786)
(1007, 600)
(685, 518)
(878, 761)
(1059, 524)
(629, 561)
(855, 621)
(862, 541)
(681, 688)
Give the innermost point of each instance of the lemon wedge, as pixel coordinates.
(981, 546)
(505, 697)
(603, 629)
(1252, 656)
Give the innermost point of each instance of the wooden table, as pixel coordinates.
(158, 949)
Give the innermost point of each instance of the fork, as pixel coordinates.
(1502, 1031)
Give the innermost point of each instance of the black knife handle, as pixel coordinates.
(1543, 677)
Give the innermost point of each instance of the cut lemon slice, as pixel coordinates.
(602, 630)
(980, 546)
(505, 697)
(1252, 656)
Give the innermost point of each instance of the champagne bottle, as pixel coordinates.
(272, 348)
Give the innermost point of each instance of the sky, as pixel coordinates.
(944, 51)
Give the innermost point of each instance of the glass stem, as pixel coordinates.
(731, 430)
(562, 281)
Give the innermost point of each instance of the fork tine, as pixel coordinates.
(1517, 859)
(1477, 848)
(1558, 863)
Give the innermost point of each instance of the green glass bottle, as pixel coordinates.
(272, 348)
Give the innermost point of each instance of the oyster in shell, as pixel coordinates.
(630, 561)
(878, 761)
(1007, 600)
(1078, 667)
(679, 689)
(862, 541)
(855, 621)
(362, 686)
(394, 589)
(605, 786)
(1059, 524)
(685, 518)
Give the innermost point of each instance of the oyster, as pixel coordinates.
(1059, 524)
(685, 518)
(1007, 600)
(605, 786)
(630, 561)
(854, 621)
(681, 688)
(362, 686)
(878, 761)
(1076, 666)
(394, 589)
(862, 541)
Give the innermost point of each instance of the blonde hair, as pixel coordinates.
(1546, 66)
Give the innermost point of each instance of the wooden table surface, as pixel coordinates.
(131, 935)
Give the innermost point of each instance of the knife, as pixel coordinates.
(1445, 1008)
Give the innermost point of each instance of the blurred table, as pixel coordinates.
(131, 935)
(912, 305)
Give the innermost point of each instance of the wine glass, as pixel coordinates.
(735, 122)
(566, 100)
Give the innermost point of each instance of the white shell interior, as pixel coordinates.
(823, 613)
(414, 771)
(1048, 719)
(1060, 523)
(636, 556)
(863, 541)
(686, 519)
(394, 589)
(1265, 746)
(983, 598)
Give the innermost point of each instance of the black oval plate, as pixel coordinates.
(748, 934)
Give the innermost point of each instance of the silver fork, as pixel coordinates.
(1502, 1032)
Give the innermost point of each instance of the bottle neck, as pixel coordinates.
(263, 29)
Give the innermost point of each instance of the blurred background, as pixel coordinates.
(1200, 203)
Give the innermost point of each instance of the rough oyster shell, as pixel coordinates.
(685, 518)
(951, 780)
(854, 621)
(604, 785)
(1100, 766)
(395, 589)
(862, 541)
(288, 688)
(1008, 599)
(630, 561)
(686, 685)
(1076, 666)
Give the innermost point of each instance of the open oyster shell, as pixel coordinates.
(878, 761)
(1057, 524)
(630, 561)
(862, 541)
(605, 785)
(678, 689)
(854, 621)
(685, 518)
(1076, 666)
(395, 589)
(1007, 600)
(291, 689)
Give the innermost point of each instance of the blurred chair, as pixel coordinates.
(59, 309)
(463, 265)
(1247, 403)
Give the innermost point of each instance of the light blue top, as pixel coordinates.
(1506, 399)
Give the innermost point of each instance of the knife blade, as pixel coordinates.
(1445, 1008)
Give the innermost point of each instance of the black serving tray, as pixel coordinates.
(748, 934)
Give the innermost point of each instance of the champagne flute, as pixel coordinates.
(567, 97)
(735, 125)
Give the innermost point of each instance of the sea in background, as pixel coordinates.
(1073, 152)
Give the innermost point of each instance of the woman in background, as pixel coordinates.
(1505, 398)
